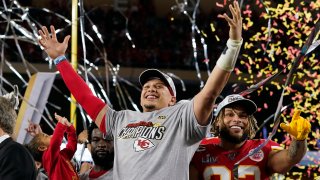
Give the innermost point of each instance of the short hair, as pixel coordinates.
(91, 127)
(33, 147)
(253, 127)
(8, 115)
(36, 156)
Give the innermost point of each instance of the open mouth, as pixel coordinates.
(236, 128)
(151, 97)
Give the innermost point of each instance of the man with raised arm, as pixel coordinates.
(159, 142)
(234, 128)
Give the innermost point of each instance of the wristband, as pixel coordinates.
(58, 59)
(230, 54)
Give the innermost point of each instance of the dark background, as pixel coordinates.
(163, 40)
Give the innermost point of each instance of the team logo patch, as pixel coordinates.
(257, 156)
(141, 144)
(162, 117)
(232, 156)
(234, 98)
(208, 159)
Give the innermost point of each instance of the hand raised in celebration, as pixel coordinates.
(83, 137)
(235, 23)
(62, 120)
(298, 127)
(33, 129)
(50, 43)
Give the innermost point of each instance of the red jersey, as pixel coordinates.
(58, 163)
(214, 162)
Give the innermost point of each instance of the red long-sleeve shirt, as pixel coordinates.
(82, 93)
(57, 163)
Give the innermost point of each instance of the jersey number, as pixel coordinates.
(225, 174)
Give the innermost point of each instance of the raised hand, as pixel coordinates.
(13, 97)
(33, 129)
(62, 120)
(85, 166)
(235, 23)
(83, 137)
(50, 43)
(298, 127)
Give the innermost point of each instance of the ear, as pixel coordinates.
(172, 101)
(38, 164)
(1, 132)
(218, 127)
(42, 148)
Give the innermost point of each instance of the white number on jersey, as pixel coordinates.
(225, 173)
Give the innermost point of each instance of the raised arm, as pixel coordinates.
(94, 106)
(56, 139)
(205, 99)
(283, 161)
(33, 129)
(72, 137)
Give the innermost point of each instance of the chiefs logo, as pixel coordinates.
(141, 144)
(258, 156)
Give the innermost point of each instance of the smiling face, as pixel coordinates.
(155, 95)
(235, 125)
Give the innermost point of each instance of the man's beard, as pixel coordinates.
(105, 162)
(225, 135)
(149, 106)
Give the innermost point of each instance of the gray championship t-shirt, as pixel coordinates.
(154, 145)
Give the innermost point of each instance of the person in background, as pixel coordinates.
(102, 153)
(159, 142)
(34, 129)
(83, 153)
(234, 129)
(56, 162)
(41, 173)
(15, 160)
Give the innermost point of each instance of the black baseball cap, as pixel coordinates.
(155, 73)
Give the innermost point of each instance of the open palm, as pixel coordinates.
(50, 43)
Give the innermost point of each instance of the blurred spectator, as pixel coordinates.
(56, 162)
(15, 161)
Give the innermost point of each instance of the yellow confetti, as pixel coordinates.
(212, 27)
(204, 34)
(217, 38)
